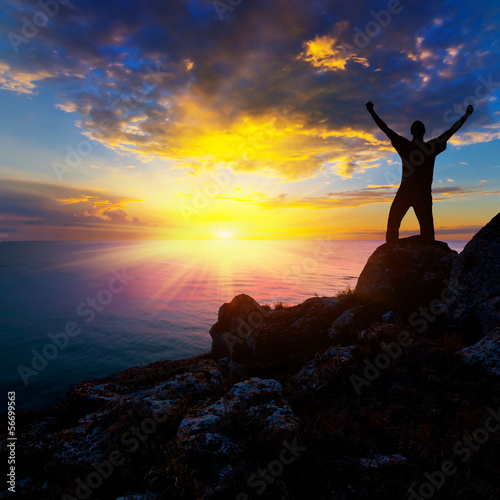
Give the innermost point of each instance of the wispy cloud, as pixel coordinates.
(21, 81)
(65, 209)
(489, 133)
(351, 199)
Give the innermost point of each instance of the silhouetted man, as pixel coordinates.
(418, 159)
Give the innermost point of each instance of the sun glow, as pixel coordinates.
(225, 234)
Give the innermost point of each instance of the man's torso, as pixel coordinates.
(418, 160)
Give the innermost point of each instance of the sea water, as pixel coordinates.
(124, 304)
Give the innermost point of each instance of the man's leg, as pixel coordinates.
(398, 210)
(423, 211)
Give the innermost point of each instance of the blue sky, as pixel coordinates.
(159, 95)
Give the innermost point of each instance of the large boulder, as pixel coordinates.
(486, 316)
(245, 330)
(485, 354)
(405, 273)
(476, 276)
(235, 322)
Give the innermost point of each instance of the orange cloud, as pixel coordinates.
(326, 53)
(57, 209)
(349, 199)
(467, 138)
(20, 81)
(197, 136)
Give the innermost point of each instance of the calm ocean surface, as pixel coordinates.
(139, 302)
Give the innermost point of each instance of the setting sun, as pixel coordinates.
(225, 233)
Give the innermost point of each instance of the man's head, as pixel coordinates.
(417, 130)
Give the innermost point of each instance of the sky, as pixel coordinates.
(245, 119)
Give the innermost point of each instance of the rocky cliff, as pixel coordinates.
(388, 391)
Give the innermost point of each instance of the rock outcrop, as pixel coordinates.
(485, 354)
(343, 397)
(236, 321)
(380, 332)
(326, 367)
(346, 328)
(405, 273)
(246, 330)
(476, 276)
(220, 433)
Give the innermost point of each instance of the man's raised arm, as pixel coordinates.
(455, 127)
(382, 125)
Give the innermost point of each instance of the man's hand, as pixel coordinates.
(381, 124)
(446, 136)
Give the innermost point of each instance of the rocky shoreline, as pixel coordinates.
(387, 391)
